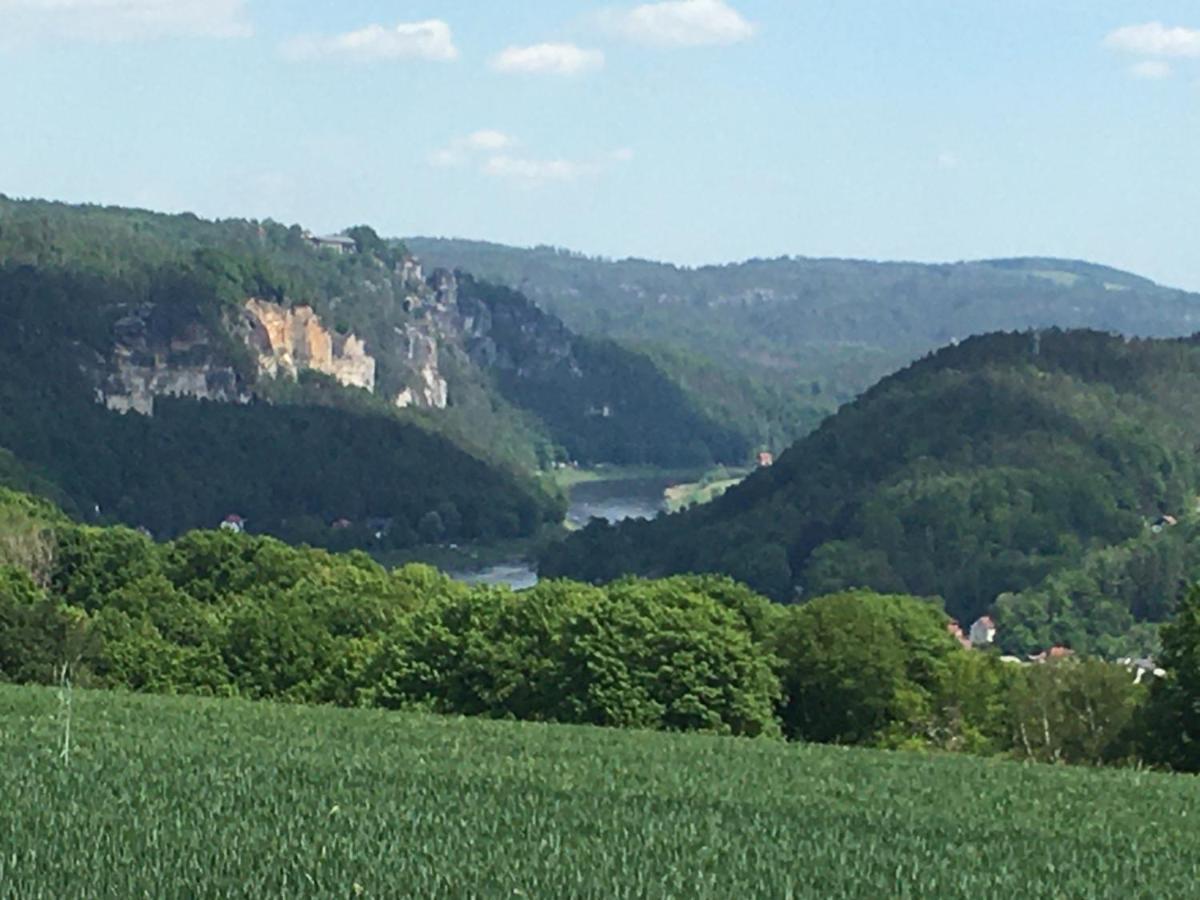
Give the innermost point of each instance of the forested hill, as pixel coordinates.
(289, 468)
(980, 471)
(169, 371)
(235, 309)
(832, 326)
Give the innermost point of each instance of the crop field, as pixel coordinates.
(165, 797)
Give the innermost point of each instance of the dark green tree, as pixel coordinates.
(862, 668)
(1172, 734)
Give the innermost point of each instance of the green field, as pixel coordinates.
(168, 797)
(568, 478)
(697, 493)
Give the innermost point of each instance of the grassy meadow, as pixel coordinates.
(169, 797)
(706, 490)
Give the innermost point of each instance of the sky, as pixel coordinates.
(691, 131)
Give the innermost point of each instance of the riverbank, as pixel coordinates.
(567, 478)
(467, 558)
(611, 493)
(712, 485)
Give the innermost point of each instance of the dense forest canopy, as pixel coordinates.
(470, 388)
(979, 472)
(360, 293)
(288, 469)
(793, 337)
(604, 403)
(427, 338)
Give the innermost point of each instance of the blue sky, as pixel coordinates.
(690, 130)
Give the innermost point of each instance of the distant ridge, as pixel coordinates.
(834, 326)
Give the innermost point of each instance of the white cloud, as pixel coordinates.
(429, 40)
(1151, 70)
(551, 59)
(494, 153)
(487, 139)
(461, 150)
(682, 23)
(1156, 39)
(534, 169)
(123, 20)
(530, 172)
(948, 160)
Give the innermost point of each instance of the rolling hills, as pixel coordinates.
(787, 340)
(218, 309)
(165, 371)
(979, 471)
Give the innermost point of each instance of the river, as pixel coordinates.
(613, 501)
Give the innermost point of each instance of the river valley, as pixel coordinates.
(613, 501)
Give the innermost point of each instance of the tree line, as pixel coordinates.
(224, 614)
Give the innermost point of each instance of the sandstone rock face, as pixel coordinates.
(290, 341)
(133, 388)
(517, 338)
(430, 389)
(440, 328)
(411, 274)
(143, 368)
(445, 288)
(285, 342)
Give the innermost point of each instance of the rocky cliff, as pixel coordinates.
(150, 361)
(151, 306)
(411, 356)
(427, 386)
(288, 341)
(147, 363)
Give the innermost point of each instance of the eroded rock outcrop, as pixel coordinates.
(427, 387)
(288, 341)
(145, 366)
(442, 326)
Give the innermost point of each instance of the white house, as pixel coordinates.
(234, 523)
(983, 631)
(1142, 668)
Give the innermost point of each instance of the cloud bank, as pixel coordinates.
(681, 23)
(548, 59)
(463, 150)
(431, 40)
(122, 20)
(532, 172)
(494, 154)
(1156, 39)
(1151, 70)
